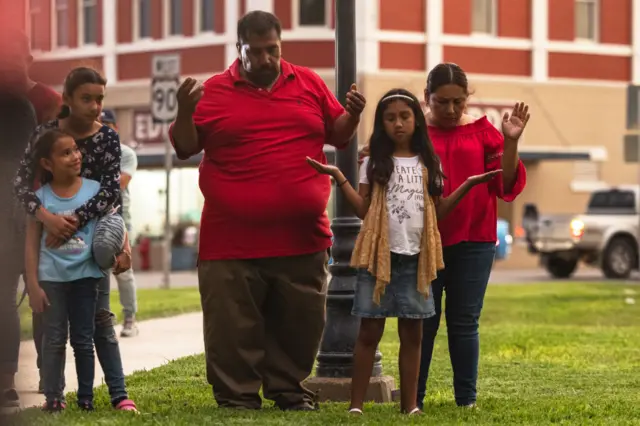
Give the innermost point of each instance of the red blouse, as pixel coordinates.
(465, 151)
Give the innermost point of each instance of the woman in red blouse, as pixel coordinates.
(467, 146)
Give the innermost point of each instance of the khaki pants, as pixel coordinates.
(263, 321)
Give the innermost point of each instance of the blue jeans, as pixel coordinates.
(71, 311)
(464, 280)
(107, 347)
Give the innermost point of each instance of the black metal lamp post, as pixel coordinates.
(335, 358)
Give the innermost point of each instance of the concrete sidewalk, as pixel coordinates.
(153, 279)
(159, 341)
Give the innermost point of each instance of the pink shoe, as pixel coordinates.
(126, 405)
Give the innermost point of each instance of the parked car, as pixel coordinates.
(605, 236)
(505, 240)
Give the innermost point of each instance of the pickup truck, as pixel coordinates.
(605, 236)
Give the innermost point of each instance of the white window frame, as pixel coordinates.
(135, 13)
(493, 31)
(596, 22)
(295, 11)
(197, 16)
(586, 176)
(54, 28)
(81, 23)
(166, 21)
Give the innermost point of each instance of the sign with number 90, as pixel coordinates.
(164, 104)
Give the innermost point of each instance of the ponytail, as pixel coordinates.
(65, 112)
(76, 78)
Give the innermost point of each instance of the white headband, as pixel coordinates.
(396, 96)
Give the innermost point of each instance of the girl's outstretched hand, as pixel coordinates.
(483, 178)
(325, 169)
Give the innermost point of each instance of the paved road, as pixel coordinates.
(524, 276)
(498, 276)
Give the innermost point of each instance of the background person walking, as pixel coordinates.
(126, 280)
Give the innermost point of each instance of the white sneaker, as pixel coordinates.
(129, 328)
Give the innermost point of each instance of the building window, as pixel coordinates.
(175, 17)
(312, 13)
(586, 19)
(89, 21)
(483, 19)
(62, 23)
(586, 171)
(144, 18)
(206, 21)
(34, 17)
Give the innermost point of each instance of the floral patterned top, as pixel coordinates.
(100, 162)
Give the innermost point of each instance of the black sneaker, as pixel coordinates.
(86, 405)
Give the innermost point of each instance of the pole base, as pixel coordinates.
(380, 389)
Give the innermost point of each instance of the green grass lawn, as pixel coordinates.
(152, 303)
(551, 353)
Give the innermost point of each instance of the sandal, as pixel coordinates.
(355, 411)
(415, 412)
(126, 405)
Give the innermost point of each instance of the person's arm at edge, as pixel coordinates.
(128, 166)
(32, 253)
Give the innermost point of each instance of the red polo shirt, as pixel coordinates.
(261, 197)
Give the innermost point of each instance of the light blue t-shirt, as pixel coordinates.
(74, 259)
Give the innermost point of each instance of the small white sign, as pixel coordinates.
(164, 87)
(164, 104)
(165, 66)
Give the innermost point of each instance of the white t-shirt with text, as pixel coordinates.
(405, 204)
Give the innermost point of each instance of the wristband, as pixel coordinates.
(343, 182)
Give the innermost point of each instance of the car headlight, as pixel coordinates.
(577, 228)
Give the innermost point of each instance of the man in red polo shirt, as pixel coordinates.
(264, 230)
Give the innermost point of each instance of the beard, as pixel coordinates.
(264, 77)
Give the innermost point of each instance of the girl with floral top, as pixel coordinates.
(100, 148)
(398, 250)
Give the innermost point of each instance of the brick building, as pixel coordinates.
(571, 60)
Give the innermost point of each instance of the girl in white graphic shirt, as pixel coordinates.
(398, 251)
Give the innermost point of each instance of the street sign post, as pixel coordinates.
(165, 71)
